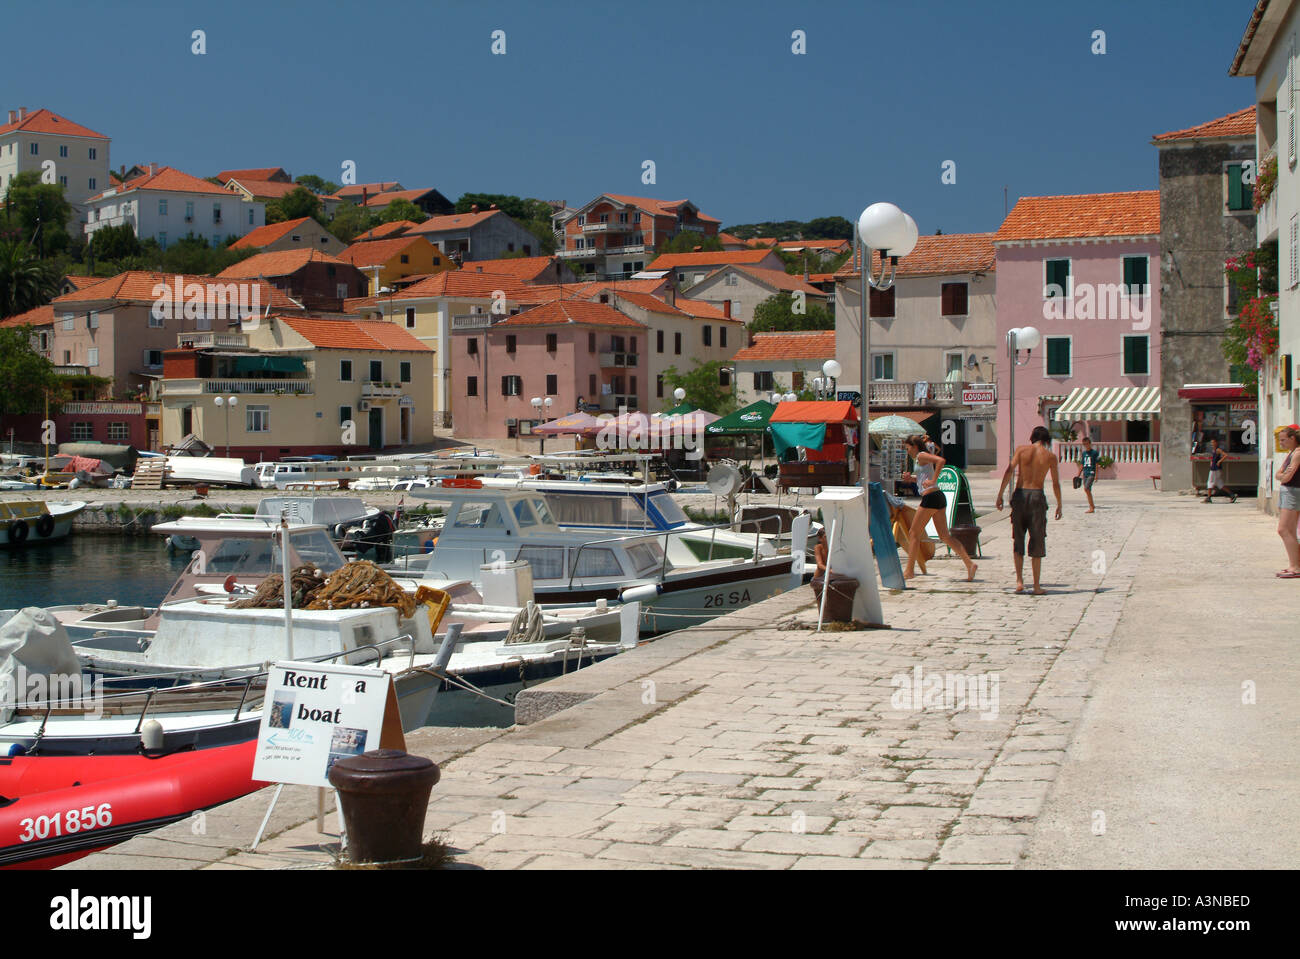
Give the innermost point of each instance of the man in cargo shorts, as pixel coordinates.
(1029, 503)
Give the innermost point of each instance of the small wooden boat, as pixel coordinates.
(27, 521)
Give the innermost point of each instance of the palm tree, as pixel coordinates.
(26, 282)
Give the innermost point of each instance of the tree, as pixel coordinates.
(26, 281)
(26, 374)
(512, 206)
(350, 221)
(776, 314)
(39, 211)
(703, 386)
(687, 241)
(115, 242)
(317, 184)
(402, 209)
(299, 203)
(828, 228)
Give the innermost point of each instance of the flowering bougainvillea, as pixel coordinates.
(1252, 334)
(1265, 181)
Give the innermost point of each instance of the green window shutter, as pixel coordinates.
(1135, 356)
(1058, 274)
(1058, 356)
(1135, 273)
(1239, 193)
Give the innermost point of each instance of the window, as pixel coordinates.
(1295, 250)
(722, 337)
(552, 342)
(63, 151)
(591, 384)
(345, 414)
(162, 207)
(120, 432)
(410, 317)
(732, 280)
(1057, 356)
(1137, 356)
(631, 344)
(952, 362)
(189, 211)
(250, 221)
(1056, 279)
(882, 366)
(1137, 431)
(35, 149)
(632, 384)
(92, 153)
(404, 371)
(591, 342)
(511, 342)
(724, 377)
(67, 357)
(708, 335)
(1240, 194)
(216, 212)
(162, 240)
(405, 258)
(345, 371)
(659, 341)
(258, 419)
(471, 386)
(155, 322)
(91, 183)
(677, 344)
(881, 302)
(67, 321)
(376, 371)
(471, 345)
(763, 382)
(83, 431)
(552, 384)
(512, 386)
(636, 217)
(63, 181)
(216, 240)
(1136, 277)
(153, 358)
(953, 299)
(92, 356)
(659, 386)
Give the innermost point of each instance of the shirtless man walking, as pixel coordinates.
(1029, 502)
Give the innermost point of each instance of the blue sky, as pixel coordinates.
(709, 90)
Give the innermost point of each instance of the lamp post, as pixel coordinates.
(883, 227)
(831, 371)
(679, 394)
(228, 403)
(1021, 338)
(539, 405)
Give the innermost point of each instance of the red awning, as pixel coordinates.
(1230, 391)
(815, 411)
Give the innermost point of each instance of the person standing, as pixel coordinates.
(1288, 503)
(1032, 463)
(933, 506)
(1088, 470)
(1215, 482)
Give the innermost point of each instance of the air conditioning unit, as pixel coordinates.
(363, 406)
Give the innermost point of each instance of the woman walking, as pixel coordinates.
(1288, 505)
(1215, 482)
(931, 508)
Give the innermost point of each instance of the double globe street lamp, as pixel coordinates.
(228, 403)
(825, 384)
(540, 404)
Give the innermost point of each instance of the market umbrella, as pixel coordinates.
(679, 410)
(894, 426)
(581, 424)
(745, 421)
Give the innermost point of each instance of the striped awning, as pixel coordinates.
(1110, 403)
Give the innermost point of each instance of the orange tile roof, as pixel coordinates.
(838, 246)
(669, 261)
(454, 221)
(821, 277)
(277, 263)
(256, 173)
(777, 279)
(40, 316)
(81, 282)
(579, 312)
(937, 255)
(592, 288)
(1239, 124)
(658, 207)
(379, 252)
(733, 240)
(354, 334)
(47, 121)
(812, 345)
(523, 267)
(1136, 213)
(166, 179)
(703, 311)
(385, 230)
(356, 189)
(388, 196)
(453, 283)
(683, 307)
(137, 286)
(266, 235)
(272, 189)
(355, 304)
(764, 242)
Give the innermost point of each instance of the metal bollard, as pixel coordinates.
(383, 795)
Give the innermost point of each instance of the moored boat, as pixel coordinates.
(30, 521)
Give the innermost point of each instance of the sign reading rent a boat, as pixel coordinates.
(314, 716)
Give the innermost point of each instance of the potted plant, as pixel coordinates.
(1106, 467)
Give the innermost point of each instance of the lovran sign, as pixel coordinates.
(314, 715)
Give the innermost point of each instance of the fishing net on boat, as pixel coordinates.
(359, 585)
(305, 581)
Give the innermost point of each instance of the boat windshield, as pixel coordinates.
(315, 546)
(646, 556)
(598, 509)
(243, 556)
(479, 516)
(668, 509)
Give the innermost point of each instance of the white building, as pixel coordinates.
(78, 156)
(166, 204)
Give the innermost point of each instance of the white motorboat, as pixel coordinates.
(30, 521)
(218, 470)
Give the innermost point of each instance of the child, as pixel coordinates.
(1215, 482)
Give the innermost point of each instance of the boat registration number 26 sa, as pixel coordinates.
(725, 599)
(66, 823)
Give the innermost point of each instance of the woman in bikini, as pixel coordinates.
(1288, 504)
(933, 505)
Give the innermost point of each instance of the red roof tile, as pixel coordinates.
(526, 268)
(939, 254)
(454, 221)
(813, 345)
(266, 235)
(40, 316)
(354, 334)
(169, 180)
(81, 282)
(277, 263)
(580, 312)
(1239, 124)
(1079, 217)
(386, 230)
(379, 252)
(839, 246)
(47, 121)
(669, 261)
(356, 189)
(270, 189)
(777, 279)
(137, 286)
(256, 173)
(453, 283)
(683, 307)
(389, 196)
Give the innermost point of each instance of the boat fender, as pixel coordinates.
(45, 525)
(151, 736)
(18, 531)
(429, 544)
(639, 594)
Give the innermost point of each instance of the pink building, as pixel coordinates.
(1083, 271)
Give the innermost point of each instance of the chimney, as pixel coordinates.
(473, 208)
(672, 292)
(726, 308)
(124, 177)
(13, 116)
(492, 207)
(22, 113)
(153, 169)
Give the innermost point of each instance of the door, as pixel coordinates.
(406, 425)
(376, 428)
(187, 421)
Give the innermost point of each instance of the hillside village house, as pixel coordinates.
(304, 385)
(317, 280)
(1079, 269)
(1207, 215)
(1267, 52)
(932, 333)
(691, 268)
(565, 350)
(427, 201)
(388, 260)
(615, 236)
(79, 154)
(477, 235)
(385, 231)
(301, 234)
(781, 363)
(167, 205)
(742, 288)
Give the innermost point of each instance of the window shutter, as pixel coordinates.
(1235, 193)
(1290, 103)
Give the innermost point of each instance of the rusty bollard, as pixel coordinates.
(383, 795)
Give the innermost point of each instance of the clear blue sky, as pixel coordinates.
(708, 89)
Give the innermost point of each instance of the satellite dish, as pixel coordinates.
(724, 480)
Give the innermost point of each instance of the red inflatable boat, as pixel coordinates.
(54, 809)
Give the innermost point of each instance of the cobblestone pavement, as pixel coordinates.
(758, 743)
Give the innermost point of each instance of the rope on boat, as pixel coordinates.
(460, 682)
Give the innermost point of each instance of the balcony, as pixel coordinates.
(618, 360)
(474, 321)
(590, 251)
(196, 387)
(610, 402)
(209, 340)
(103, 409)
(596, 227)
(378, 391)
(1266, 222)
(936, 392)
